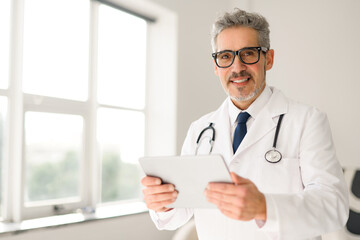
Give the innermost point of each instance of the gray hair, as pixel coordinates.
(242, 18)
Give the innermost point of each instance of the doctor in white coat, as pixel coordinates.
(302, 196)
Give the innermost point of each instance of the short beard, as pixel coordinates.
(250, 96)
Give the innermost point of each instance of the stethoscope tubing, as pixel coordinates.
(271, 156)
(204, 130)
(211, 141)
(277, 130)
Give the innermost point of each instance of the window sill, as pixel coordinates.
(104, 212)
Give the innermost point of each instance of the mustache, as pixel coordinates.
(243, 73)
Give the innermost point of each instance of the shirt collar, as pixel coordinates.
(254, 109)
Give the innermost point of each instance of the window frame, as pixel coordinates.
(61, 106)
(159, 32)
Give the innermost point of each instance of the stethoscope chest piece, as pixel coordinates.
(273, 156)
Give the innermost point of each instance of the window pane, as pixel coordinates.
(56, 36)
(4, 42)
(3, 112)
(53, 149)
(121, 138)
(122, 55)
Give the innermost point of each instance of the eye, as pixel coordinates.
(225, 56)
(248, 53)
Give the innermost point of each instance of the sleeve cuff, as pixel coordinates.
(164, 216)
(172, 219)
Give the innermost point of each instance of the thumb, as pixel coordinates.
(237, 179)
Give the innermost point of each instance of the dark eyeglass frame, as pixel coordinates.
(237, 53)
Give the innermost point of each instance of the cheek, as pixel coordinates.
(257, 72)
(222, 73)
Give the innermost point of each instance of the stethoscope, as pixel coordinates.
(272, 156)
(211, 139)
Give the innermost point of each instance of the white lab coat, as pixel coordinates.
(305, 192)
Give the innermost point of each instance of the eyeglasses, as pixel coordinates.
(248, 55)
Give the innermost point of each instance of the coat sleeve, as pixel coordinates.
(323, 204)
(177, 217)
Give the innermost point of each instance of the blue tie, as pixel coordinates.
(240, 130)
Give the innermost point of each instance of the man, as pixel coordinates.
(300, 196)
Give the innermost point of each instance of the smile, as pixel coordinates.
(241, 81)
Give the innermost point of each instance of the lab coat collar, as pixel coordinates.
(254, 109)
(266, 120)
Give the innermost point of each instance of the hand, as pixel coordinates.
(157, 195)
(240, 200)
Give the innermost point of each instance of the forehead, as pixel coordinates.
(235, 38)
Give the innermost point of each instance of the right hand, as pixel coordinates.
(157, 195)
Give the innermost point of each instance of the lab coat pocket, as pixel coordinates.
(281, 177)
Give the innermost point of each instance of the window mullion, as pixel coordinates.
(13, 200)
(92, 166)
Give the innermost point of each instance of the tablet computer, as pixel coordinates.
(189, 174)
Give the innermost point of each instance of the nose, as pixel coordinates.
(238, 65)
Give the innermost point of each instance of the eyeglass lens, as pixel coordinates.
(248, 56)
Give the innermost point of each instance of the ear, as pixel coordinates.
(269, 59)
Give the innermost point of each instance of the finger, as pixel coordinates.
(237, 215)
(230, 210)
(225, 198)
(237, 179)
(150, 181)
(227, 188)
(159, 189)
(214, 201)
(238, 207)
(160, 197)
(164, 209)
(160, 206)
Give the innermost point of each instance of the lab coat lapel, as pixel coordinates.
(261, 126)
(265, 121)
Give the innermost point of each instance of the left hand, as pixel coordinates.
(240, 200)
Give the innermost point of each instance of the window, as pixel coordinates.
(55, 72)
(55, 66)
(121, 89)
(79, 103)
(55, 50)
(121, 59)
(121, 138)
(53, 153)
